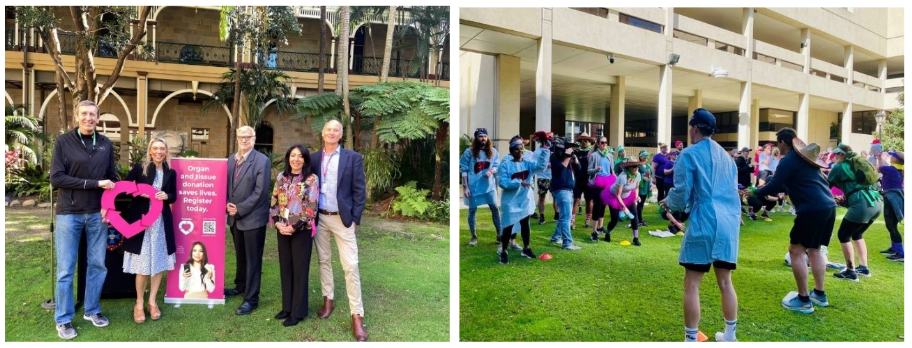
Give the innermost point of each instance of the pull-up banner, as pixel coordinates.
(199, 228)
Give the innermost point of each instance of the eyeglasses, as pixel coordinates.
(603, 142)
(245, 138)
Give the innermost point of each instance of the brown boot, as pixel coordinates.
(358, 328)
(327, 308)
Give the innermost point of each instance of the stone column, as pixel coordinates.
(747, 29)
(694, 103)
(142, 102)
(803, 116)
(616, 113)
(506, 102)
(882, 75)
(846, 129)
(755, 122)
(543, 75)
(663, 130)
(849, 63)
(744, 116)
(806, 50)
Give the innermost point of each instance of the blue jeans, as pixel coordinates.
(564, 201)
(495, 213)
(66, 242)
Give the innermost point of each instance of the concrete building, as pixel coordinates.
(168, 94)
(636, 74)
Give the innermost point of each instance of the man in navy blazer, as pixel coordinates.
(249, 191)
(342, 197)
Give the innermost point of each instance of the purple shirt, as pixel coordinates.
(669, 178)
(659, 159)
(892, 178)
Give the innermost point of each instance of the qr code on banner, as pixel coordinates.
(208, 227)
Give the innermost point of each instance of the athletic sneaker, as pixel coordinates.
(572, 224)
(527, 252)
(753, 216)
(838, 267)
(819, 300)
(643, 224)
(541, 220)
(556, 216)
(792, 211)
(767, 219)
(795, 304)
(636, 241)
(557, 241)
(608, 237)
(863, 271)
(534, 216)
(889, 251)
(587, 224)
(720, 337)
(473, 241)
(97, 319)
(503, 258)
(847, 275)
(66, 331)
(897, 257)
(571, 247)
(514, 246)
(594, 236)
(579, 211)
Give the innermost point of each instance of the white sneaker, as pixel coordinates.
(720, 337)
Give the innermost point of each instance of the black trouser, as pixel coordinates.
(667, 186)
(891, 221)
(524, 231)
(756, 203)
(598, 208)
(640, 205)
(850, 231)
(616, 216)
(660, 187)
(294, 270)
(248, 249)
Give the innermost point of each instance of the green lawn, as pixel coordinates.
(404, 277)
(609, 292)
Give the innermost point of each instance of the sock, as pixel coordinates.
(819, 292)
(636, 233)
(804, 298)
(690, 334)
(898, 247)
(730, 330)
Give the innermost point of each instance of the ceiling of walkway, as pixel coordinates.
(582, 80)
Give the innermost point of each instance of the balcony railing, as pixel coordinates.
(68, 46)
(10, 38)
(169, 52)
(398, 67)
(298, 61)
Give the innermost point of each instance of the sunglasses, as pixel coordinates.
(602, 142)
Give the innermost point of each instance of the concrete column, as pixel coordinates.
(755, 123)
(803, 116)
(694, 103)
(613, 16)
(543, 75)
(142, 101)
(332, 54)
(744, 116)
(506, 102)
(806, 50)
(616, 113)
(882, 75)
(154, 40)
(663, 130)
(848, 61)
(32, 102)
(669, 24)
(351, 53)
(846, 129)
(747, 29)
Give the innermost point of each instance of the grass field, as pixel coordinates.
(404, 277)
(609, 292)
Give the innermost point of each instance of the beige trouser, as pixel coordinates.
(331, 225)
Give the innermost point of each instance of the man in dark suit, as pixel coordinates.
(342, 196)
(249, 181)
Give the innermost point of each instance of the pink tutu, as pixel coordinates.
(836, 191)
(610, 198)
(602, 181)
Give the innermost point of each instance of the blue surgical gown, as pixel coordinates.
(516, 201)
(482, 189)
(706, 179)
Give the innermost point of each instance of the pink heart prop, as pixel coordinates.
(113, 215)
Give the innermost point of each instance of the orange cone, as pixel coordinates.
(701, 337)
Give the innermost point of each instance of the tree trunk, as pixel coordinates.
(322, 49)
(61, 103)
(388, 48)
(236, 104)
(343, 64)
(440, 143)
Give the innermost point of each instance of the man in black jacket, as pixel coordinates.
(743, 163)
(82, 167)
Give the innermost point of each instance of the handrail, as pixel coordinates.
(171, 52)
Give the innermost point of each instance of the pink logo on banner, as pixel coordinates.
(113, 215)
(199, 231)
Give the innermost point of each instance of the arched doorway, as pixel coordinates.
(264, 133)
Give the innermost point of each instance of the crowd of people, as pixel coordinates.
(317, 198)
(703, 186)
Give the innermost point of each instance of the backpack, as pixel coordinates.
(864, 172)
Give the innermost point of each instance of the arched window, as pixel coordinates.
(263, 137)
(109, 125)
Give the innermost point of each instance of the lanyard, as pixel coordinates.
(326, 167)
(93, 139)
